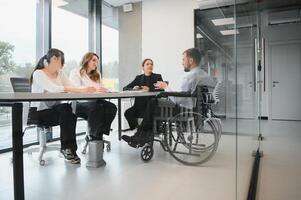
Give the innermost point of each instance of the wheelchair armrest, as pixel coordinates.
(175, 94)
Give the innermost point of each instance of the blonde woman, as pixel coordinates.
(99, 113)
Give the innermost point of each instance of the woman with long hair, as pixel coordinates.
(48, 77)
(99, 113)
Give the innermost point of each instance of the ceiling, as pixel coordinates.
(116, 3)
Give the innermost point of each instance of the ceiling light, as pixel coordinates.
(284, 21)
(223, 21)
(198, 35)
(229, 32)
(59, 3)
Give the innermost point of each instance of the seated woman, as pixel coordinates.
(99, 113)
(48, 77)
(143, 82)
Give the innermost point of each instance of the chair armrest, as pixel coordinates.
(175, 94)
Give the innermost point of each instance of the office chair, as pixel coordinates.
(20, 84)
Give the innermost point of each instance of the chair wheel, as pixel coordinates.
(147, 153)
(108, 147)
(42, 162)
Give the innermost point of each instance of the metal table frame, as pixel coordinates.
(15, 100)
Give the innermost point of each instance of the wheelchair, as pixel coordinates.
(191, 136)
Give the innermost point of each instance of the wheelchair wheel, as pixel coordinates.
(218, 125)
(194, 138)
(147, 153)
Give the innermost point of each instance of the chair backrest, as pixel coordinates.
(20, 84)
(216, 92)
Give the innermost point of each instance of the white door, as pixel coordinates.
(286, 81)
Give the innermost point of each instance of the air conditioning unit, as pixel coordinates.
(128, 7)
(284, 17)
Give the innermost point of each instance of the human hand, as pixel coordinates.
(136, 87)
(145, 88)
(160, 85)
(101, 89)
(88, 89)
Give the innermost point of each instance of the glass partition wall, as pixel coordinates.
(254, 50)
(215, 37)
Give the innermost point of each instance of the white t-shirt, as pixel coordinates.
(41, 83)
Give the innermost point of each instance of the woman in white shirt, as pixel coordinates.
(48, 77)
(99, 113)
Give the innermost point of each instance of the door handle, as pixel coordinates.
(263, 60)
(255, 65)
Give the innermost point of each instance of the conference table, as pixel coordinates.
(15, 100)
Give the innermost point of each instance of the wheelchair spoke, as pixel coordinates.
(195, 139)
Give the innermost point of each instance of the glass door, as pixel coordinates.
(269, 70)
(215, 36)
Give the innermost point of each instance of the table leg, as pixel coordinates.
(119, 119)
(18, 169)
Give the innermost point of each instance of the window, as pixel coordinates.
(110, 57)
(110, 47)
(69, 30)
(17, 54)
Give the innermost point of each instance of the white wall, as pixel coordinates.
(167, 30)
(130, 41)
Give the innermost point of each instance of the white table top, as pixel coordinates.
(24, 96)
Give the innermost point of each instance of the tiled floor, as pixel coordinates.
(126, 177)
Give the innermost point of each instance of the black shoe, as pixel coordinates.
(70, 156)
(130, 140)
(141, 141)
(126, 138)
(76, 159)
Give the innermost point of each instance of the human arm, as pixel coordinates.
(133, 85)
(44, 82)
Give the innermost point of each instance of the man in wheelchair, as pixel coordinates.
(193, 76)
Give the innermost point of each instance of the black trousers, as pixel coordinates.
(136, 111)
(61, 115)
(146, 126)
(132, 114)
(99, 114)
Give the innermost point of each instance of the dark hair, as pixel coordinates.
(146, 59)
(46, 59)
(193, 53)
(94, 74)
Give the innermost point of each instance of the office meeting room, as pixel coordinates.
(150, 99)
